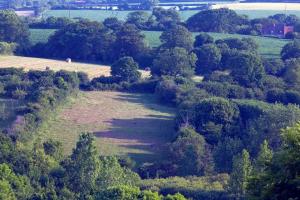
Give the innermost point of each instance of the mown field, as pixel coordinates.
(123, 123)
(269, 47)
(28, 63)
(100, 15)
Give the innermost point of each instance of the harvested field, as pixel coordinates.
(123, 123)
(28, 63)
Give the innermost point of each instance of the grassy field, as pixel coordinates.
(123, 123)
(100, 15)
(28, 63)
(269, 47)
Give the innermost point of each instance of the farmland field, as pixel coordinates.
(28, 63)
(123, 123)
(269, 47)
(100, 15)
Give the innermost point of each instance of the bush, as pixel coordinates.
(7, 48)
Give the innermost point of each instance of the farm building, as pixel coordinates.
(276, 30)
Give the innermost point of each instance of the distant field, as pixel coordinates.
(28, 63)
(123, 123)
(40, 35)
(269, 47)
(100, 15)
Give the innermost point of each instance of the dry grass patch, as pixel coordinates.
(29, 63)
(123, 123)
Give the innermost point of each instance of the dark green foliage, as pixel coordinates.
(239, 178)
(203, 38)
(51, 23)
(246, 44)
(191, 154)
(126, 69)
(209, 58)
(216, 20)
(113, 23)
(81, 40)
(246, 68)
(129, 42)
(139, 18)
(276, 177)
(214, 117)
(291, 50)
(292, 73)
(13, 30)
(83, 166)
(174, 62)
(177, 36)
(165, 18)
(273, 67)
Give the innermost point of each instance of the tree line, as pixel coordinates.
(233, 121)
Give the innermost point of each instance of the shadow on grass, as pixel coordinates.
(147, 100)
(144, 138)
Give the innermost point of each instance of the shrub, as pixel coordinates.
(7, 48)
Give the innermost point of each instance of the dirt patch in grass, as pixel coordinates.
(123, 123)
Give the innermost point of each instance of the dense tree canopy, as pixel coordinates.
(126, 69)
(217, 20)
(12, 29)
(174, 62)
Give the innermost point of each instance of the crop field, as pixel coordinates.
(28, 63)
(100, 15)
(269, 47)
(123, 123)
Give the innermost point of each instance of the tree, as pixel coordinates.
(246, 68)
(214, 118)
(83, 166)
(216, 20)
(83, 40)
(224, 152)
(279, 177)
(129, 42)
(239, 178)
(209, 58)
(166, 18)
(126, 69)
(139, 19)
(119, 193)
(190, 152)
(13, 186)
(292, 73)
(113, 23)
(174, 62)
(291, 50)
(203, 38)
(177, 36)
(112, 174)
(12, 29)
(149, 4)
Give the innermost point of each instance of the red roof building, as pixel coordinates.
(276, 30)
